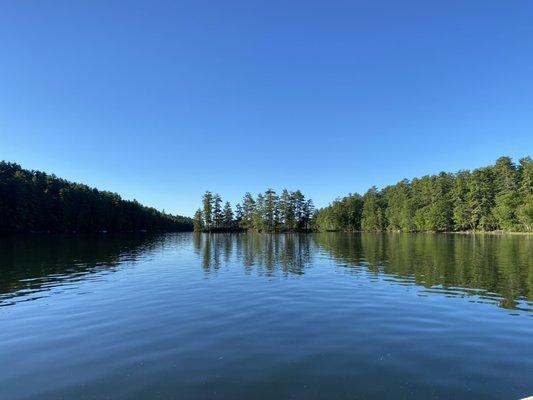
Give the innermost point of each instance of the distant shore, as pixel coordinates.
(494, 233)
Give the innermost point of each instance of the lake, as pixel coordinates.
(252, 316)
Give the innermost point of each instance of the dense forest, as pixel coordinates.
(268, 212)
(33, 201)
(497, 197)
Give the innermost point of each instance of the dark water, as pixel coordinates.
(322, 316)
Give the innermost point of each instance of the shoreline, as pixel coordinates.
(49, 233)
(493, 233)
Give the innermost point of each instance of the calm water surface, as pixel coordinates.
(242, 316)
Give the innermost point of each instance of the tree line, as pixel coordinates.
(267, 212)
(33, 201)
(496, 197)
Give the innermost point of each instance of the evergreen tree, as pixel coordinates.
(218, 217)
(398, 213)
(208, 209)
(258, 215)
(352, 211)
(248, 212)
(422, 197)
(524, 212)
(372, 216)
(506, 191)
(286, 208)
(198, 221)
(505, 176)
(298, 202)
(238, 215)
(307, 214)
(526, 177)
(228, 215)
(462, 215)
(343, 214)
(440, 211)
(481, 198)
(270, 210)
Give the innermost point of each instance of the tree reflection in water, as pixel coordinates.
(495, 269)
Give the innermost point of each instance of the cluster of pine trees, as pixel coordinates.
(268, 212)
(33, 201)
(497, 197)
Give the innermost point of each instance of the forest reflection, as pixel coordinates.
(267, 253)
(32, 265)
(495, 269)
(489, 268)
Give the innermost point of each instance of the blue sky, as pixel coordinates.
(161, 100)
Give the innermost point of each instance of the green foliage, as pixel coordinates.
(372, 217)
(248, 211)
(399, 209)
(462, 214)
(343, 214)
(524, 214)
(33, 201)
(488, 198)
(286, 209)
(481, 198)
(268, 212)
(218, 217)
(227, 214)
(207, 202)
(198, 221)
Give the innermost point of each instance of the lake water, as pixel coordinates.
(250, 316)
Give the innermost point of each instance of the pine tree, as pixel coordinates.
(398, 213)
(524, 212)
(352, 209)
(208, 209)
(198, 221)
(526, 176)
(505, 176)
(462, 219)
(238, 215)
(440, 211)
(308, 213)
(372, 216)
(298, 201)
(506, 192)
(270, 210)
(286, 208)
(481, 198)
(228, 215)
(248, 211)
(258, 215)
(218, 217)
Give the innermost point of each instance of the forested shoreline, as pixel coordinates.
(493, 198)
(33, 201)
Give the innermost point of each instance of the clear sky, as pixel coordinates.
(161, 100)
